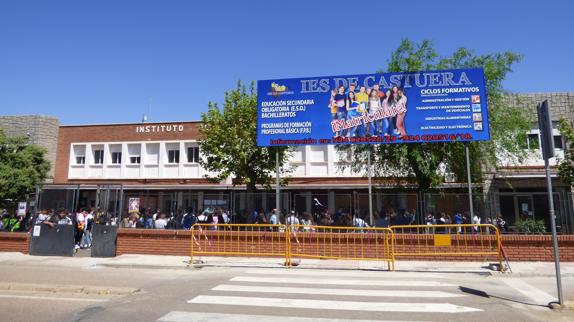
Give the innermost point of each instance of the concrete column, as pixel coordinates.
(332, 202)
(307, 159)
(125, 160)
(308, 201)
(182, 158)
(402, 201)
(161, 159)
(179, 196)
(378, 201)
(143, 157)
(200, 201)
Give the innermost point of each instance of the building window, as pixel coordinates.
(98, 156)
(135, 159)
(558, 143)
(193, 155)
(116, 158)
(173, 156)
(81, 160)
(532, 141)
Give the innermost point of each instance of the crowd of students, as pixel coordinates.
(82, 220)
(460, 218)
(12, 222)
(179, 220)
(339, 218)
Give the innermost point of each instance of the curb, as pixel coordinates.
(143, 266)
(68, 289)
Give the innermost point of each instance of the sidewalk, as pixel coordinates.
(522, 269)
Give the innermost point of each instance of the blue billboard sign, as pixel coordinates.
(429, 106)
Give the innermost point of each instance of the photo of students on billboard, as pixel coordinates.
(387, 111)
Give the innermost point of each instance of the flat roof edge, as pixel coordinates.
(134, 123)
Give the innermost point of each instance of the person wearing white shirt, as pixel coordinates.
(161, 222)
(88, 222)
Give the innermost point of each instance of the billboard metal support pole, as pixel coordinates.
(277, 185)
(469, 180)
(370, 188)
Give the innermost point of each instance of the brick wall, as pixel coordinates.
(14, 242)
(177, 242)
(173, 242)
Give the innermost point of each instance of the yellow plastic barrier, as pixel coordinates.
(238, 240)
(254, 240)
(341, 243)
(461, 242)
(465, 242)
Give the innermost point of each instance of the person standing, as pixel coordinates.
(374, 107)
(273, 219)
(189, 219)
(476, 221)
(392, 102)
(339, 99)
(161, 222)
(333, 106)
(363, 101)
(292, 220)
(88, 224)
(61, 218)
(401, 109)
(307, 222)
(352, 112)
(458, 221)
(387, 124)
(80, 226)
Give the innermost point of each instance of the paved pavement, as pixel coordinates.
(164, 288)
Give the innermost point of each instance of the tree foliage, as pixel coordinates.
(229, 144)
(22, 168)
(420, 162)
(566, 166)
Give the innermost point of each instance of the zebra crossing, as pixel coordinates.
(330, 292)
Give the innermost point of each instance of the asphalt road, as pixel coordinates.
(95, 293)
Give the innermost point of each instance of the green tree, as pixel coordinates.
(420, 162)
(566, 166)
(229, 142)
(22, 168)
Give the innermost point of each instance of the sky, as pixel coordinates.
(102, 61)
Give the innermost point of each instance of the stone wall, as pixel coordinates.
(42, 130)
(561, 104)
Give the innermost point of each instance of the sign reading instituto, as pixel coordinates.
(159, 128)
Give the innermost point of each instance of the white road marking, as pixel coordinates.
(31, 297)
(536, 295)
(340, 273)
(333, 305)
(179, 316)
(328, 281)
(331, 291)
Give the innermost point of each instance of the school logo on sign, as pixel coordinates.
(277, 90)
